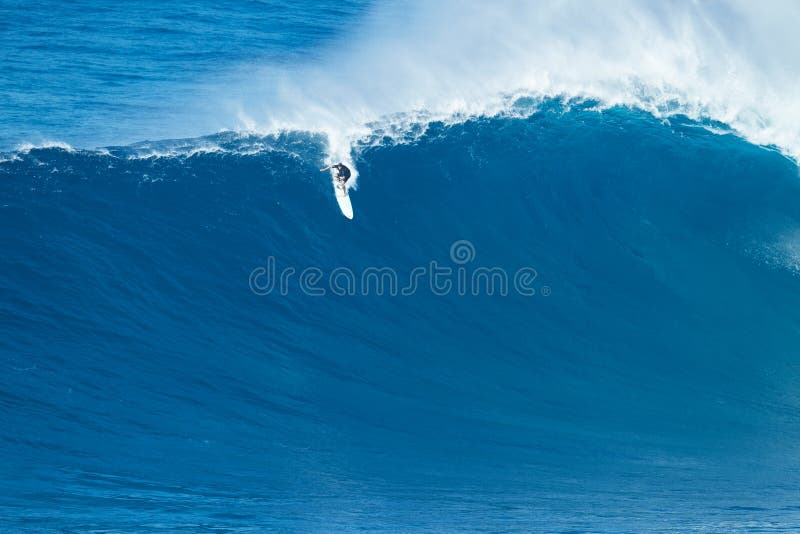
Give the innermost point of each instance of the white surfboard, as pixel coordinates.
(343, 198)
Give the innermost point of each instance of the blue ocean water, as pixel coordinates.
(154, 381)
(91, 73)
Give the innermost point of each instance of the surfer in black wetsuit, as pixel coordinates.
(342, 173)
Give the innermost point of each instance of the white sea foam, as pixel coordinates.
(736, 62)
(27, 147)
(186, 150)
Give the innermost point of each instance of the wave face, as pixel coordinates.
(151, 381)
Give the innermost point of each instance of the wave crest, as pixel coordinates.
(734, 63)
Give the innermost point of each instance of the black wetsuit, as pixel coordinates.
(343, 172)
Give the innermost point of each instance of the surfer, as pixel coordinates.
(342, 173)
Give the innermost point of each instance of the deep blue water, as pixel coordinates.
(148, 384)
(91, 72)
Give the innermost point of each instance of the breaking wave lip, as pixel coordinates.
(735, 64)
(395, 128)
(228, 142)
(731, 66)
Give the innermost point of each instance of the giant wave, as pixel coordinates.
(638, 163)
(650, 389)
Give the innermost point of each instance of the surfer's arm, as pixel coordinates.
(326, 168)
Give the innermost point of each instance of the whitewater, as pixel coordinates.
(405, 62)
(735, 63)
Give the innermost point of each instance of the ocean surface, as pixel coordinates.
(567, 301)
